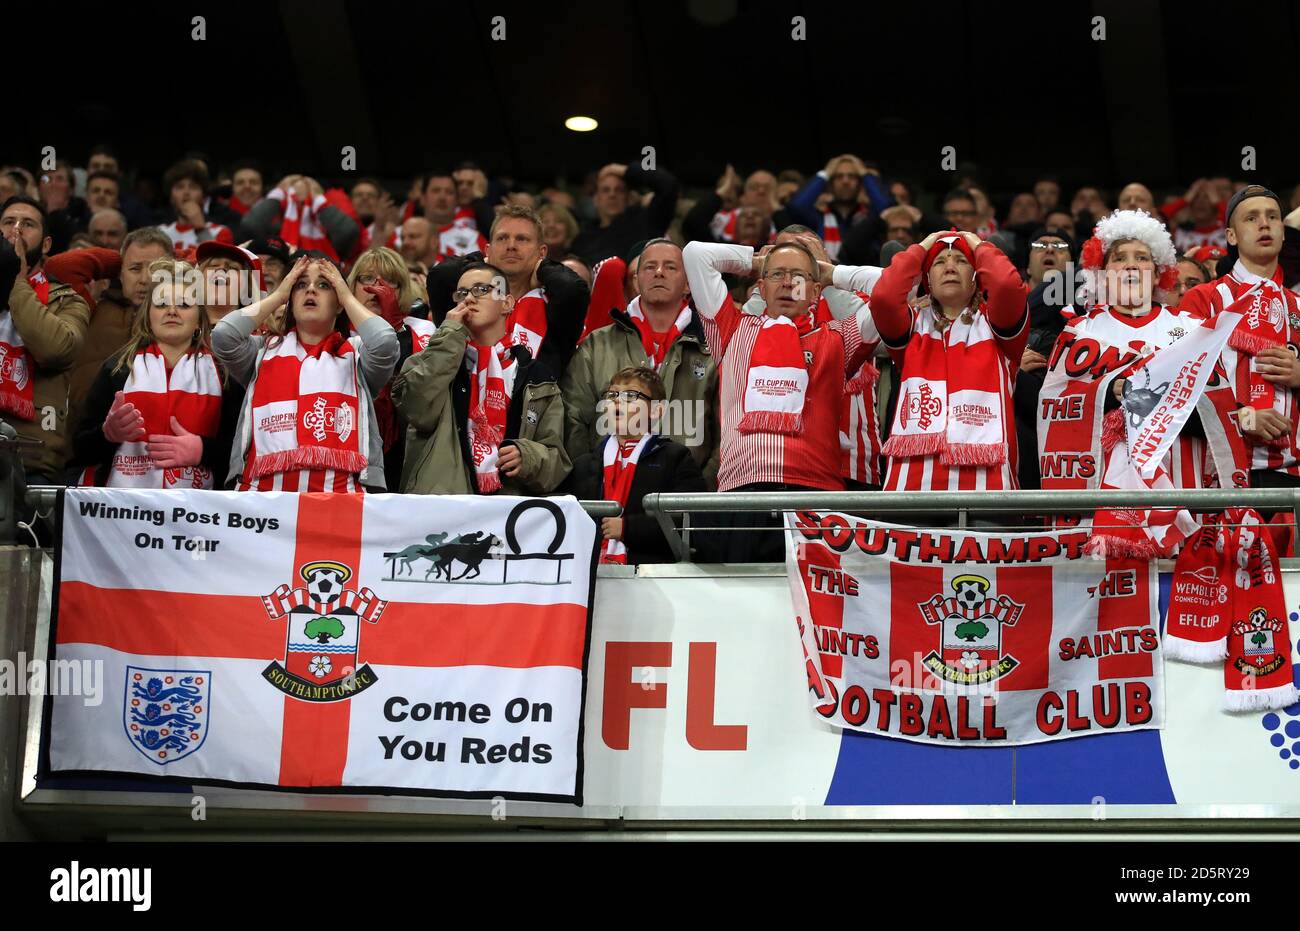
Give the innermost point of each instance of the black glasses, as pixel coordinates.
(482, 289)
(626, 395)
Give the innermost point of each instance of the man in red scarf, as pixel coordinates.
(1261, 354)
(782, 379)
(42, 328)
(484, 416)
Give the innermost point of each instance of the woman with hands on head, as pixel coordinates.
(308, 419)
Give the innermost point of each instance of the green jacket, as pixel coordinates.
(690, 376)
(53, 334)
(432, 393)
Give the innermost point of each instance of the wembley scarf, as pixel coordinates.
(527, 324)
(778, 377)
(951, 399)
(492, 371)
(620, 468)
(191, 393)
(656, 350)
(16, 362)
(306, 412)
(1226, 603)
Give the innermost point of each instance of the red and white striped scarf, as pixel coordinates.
(656, 349)
(190, 392)
(16, 393)
(185, 240)
(777, 381)
(300, 226)
(951, 401)
(860, 427)
(492, 373)
(305, 409)
(527, 324)
(832, 237)
(620, 468)
(1226, 604)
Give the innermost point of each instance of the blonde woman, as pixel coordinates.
(154, 413)
(379, 280)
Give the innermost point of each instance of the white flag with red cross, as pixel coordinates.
(419, 644)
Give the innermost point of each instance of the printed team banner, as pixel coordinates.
(973, 639)
(1173, 381)
(369, 643)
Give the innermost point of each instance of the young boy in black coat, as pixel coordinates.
(632, 462)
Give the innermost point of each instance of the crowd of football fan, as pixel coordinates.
(230, 329)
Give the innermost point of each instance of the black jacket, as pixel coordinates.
(91, 448)
(664, 466)
(636, 223)
(567, 297)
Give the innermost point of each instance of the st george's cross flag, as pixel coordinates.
(972, 639)
(377, 643)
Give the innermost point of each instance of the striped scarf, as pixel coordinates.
(191, 393)
(951, 401)
(620, 468)
(16, 393)
(492, 372)
(777, 381)
(306, 412)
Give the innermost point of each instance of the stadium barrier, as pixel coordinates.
(724, 738)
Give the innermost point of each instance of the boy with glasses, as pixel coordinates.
(483, 415)
(633, 461)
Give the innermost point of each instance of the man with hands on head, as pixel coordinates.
(782, 379)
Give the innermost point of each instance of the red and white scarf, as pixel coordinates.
(190, 392)
(1263, 326)
(16, 394)
(951, 401)
(777, 382)
(306, 411)
(492, 373)
(831, 235)
(527, 324)
(1226, 604)
(656, 345)
(300, 226)
(620, 468)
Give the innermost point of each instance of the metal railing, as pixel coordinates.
(1016, 503)
(43, 497)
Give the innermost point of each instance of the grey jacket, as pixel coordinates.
(240, 353)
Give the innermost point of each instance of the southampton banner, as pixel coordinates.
(366, 643)
(972, 639)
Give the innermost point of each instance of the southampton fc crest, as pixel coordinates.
(970, 623)
(165, 711)
(323, 634)
(1259, 654)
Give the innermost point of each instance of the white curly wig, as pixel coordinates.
(1123, 226)
(1140, 225)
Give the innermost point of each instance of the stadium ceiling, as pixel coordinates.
(1018, 89)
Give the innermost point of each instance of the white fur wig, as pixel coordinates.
(1121, 226)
